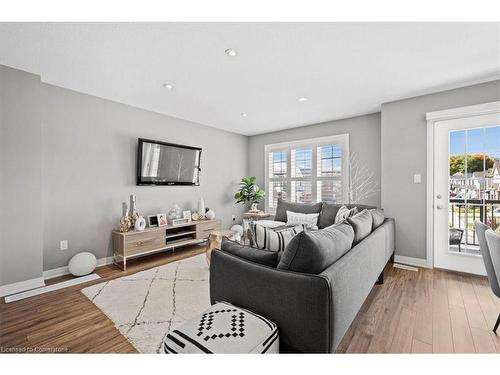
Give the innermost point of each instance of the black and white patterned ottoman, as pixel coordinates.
(224, 328)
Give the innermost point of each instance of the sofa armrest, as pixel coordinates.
(300, 304)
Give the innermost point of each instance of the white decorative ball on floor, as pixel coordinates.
(238, 229)
(82, 264)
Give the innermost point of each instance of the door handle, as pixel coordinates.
(439, 196)
(439, 207)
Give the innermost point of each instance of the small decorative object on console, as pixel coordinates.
(195, 216)
(209, 215)
(179, 221)
(162, 220)
(201, 208)
(125, 223)
(153, 220)
(174, 213)
(186, 214)
(140, 224)
(134, 215)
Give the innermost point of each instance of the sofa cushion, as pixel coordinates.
(264, 257)
(362, 225)
(283, 206)
(296, 218)
(378, 218)
(313, 251)
(273, 239)
(344, 212)
(327, 214)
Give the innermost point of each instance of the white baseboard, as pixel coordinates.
(21, 286)
(50, 288)
(410, 261)
(61, 271)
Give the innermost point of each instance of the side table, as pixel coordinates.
(215, 240)
(248, 219)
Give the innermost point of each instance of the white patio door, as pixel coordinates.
(466, 188)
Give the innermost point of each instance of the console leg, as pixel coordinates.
(381, 278)
(497, 324)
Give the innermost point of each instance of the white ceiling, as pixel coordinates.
(344, 69)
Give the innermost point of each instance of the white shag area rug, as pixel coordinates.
(147, 305)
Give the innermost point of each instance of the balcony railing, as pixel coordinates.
(462, 214)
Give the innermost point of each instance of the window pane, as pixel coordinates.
(492, 150)
(329, 191)
(458, 181)
(278, 190)
(329, 160)
(475, 164)
(302, 191)
(302, 162)
(278, 164)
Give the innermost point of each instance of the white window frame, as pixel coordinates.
(340, 139)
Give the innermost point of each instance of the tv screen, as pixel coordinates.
(161, 163)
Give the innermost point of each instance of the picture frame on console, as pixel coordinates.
(152, 220)
(162, 220)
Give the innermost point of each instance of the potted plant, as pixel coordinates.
(250, 193)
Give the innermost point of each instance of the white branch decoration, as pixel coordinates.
(362, 183)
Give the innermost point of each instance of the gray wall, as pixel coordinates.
(21, 179)
(404, 146)
(89, 163)
(364, 140)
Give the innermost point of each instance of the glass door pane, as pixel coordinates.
(474, 185)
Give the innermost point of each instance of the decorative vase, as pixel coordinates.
(140, 224)
(134, 215)
(125, 223)
(254, 207)
(210, 215)
(201, 208)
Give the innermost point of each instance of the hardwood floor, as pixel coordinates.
(429, 311)
(67, 321)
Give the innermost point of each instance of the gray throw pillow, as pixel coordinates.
(264, 257)
(327, 214)
(362, 225)
(378, 218)
(313, 251)
(283, 206)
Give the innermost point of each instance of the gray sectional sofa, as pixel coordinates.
(312, 310)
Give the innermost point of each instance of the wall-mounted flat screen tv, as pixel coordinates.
(162, 163)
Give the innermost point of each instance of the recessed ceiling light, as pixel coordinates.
(243, 114)
(302, 99)
(168, 86)
(231, 52)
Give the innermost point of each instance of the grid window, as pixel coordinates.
(308, 171)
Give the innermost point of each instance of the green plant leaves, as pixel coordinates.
(249, 192)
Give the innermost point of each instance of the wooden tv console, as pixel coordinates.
(134, 244)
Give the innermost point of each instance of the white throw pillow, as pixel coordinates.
(296, 218)
(343, 213)
(274, 240)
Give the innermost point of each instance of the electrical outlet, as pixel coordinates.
(63, 245)
(233, 217)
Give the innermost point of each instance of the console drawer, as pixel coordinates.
(142, 242)
(203, 230)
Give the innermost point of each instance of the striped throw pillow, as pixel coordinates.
(274, 240)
